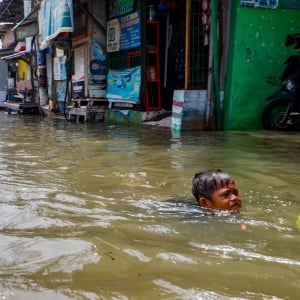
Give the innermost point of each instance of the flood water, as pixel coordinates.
(97, 211)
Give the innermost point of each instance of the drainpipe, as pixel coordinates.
(216, 74)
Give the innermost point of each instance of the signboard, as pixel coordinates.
(130, 31)
(124, 33)
(28, 30)
(124, 84)
(260, 3)
(56, 16)
(120, 7)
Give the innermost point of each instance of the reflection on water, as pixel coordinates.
(91, 211)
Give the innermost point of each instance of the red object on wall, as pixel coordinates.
(153, 81)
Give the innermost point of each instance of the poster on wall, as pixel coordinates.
(79, 63)
(78, 89)
(124, 84)
(260, 3)
(61, 87)
(120, 7)
(59, 68)
(78, 78)
(124, 33)
(113, 35)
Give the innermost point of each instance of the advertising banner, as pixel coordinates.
(124, 84)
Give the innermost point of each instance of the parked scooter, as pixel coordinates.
(283, 110)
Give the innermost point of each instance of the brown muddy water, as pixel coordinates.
(96, 211)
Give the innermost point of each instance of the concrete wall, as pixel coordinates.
(256, 61)
(189, 110)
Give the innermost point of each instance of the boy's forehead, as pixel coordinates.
(222, 184)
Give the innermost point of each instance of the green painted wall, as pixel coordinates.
(256, 61)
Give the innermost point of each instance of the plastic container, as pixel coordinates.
(151, 13)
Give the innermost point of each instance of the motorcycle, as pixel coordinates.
(283, 111)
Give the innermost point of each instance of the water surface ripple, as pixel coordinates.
(98, 211)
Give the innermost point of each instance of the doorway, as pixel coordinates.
(185, 46)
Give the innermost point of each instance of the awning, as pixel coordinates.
(7, 51)
(16, 55)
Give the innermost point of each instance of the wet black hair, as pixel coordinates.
(206, 182)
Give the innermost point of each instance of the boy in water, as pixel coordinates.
(215, 189)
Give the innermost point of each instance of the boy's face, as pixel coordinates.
(223, 198)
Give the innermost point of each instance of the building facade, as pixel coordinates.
(200, 59)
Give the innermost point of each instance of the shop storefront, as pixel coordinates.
(121, 55)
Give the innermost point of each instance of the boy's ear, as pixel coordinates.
(203, 202)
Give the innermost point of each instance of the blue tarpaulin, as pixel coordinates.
(56, 17)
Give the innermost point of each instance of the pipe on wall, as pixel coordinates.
(216, 73)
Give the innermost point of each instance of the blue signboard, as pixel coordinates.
(124, 33)
(130, 31)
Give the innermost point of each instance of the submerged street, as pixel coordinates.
(101, 211)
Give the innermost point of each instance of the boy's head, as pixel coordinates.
(216, 189)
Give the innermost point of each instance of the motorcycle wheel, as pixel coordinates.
(273, 114)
